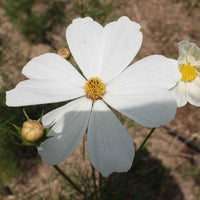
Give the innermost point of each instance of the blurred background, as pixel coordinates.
(168, 168)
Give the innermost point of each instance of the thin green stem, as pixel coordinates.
(84, 147)
(145, 140)
(69, 180)
(100, 184)
(94, 181)
(27, 117)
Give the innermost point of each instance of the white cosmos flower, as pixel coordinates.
(188, 88)
(140, 92)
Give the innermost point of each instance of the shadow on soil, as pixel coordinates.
(148, 179)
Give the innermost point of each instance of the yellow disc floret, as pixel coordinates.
(95, 88)
(188, 72)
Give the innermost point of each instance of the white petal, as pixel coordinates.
(179, 92)
(110, 148)
(52, 79)
(32, 92)
(103, 52)
(148, 106)
(71, 122)
(189, 53)
(120, 43)
(51, 66)
(193, 92)
(84, 39)
(155, 70)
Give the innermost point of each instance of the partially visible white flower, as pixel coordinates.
(140, 92)
(188, 88)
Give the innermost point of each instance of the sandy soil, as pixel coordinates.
(163, 25)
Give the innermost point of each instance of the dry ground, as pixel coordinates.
(163, 25)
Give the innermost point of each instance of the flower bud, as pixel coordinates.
(32, 130)
(64, 52)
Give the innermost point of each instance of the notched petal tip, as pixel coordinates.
(186, 49)
(7, 99)
(10, 98)
(82, 19)
(44, 60)
(70, 125)
(126, 19)
(110, 147)
(77, 21)
(183, 42)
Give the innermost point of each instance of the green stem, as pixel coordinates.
(27, 117)
(84, 147)
(145, 140)
(69, 180)
(100, 184)
(94, 181)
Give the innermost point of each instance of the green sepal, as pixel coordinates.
(16, 134)
(24, 142)
(26, 115)
(44, 137)
(19, 129)
(40, 120)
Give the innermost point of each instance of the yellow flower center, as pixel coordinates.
(188, 72)
(95, 88)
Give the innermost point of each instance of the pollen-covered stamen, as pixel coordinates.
(95, 88)
(188, 72)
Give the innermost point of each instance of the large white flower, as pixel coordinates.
(188, 88)
(103, 54)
